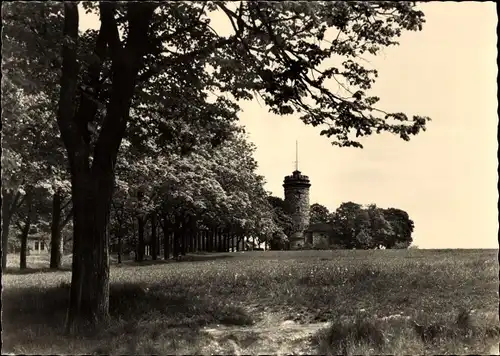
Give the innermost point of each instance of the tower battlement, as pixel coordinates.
(296, 178)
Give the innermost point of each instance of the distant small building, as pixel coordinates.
(37, 244)
(318, 233)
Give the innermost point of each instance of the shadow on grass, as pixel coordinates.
(195, 257)
(177, 306)
(18, 271)
(137, 312)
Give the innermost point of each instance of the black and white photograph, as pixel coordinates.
(249, 178)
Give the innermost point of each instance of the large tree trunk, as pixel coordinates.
(89, 299)
(92, 187)
(56, 245)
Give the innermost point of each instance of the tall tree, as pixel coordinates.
(32, 156)
(283, 221)
(277, 50)
(25, 227)
(62, 213)
(345, 224)
(319, 214)
(380, 229)
(32, 217)
(401, 225)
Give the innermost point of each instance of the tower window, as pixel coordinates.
(36, 245)
(42, 245)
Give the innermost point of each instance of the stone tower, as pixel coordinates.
(297, 201)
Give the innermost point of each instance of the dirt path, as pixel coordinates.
(271, 335)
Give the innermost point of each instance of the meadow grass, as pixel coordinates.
(382, 301)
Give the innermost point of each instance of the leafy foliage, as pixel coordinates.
(283, 221)
(370, 227)
(208, 188)
(319, 214)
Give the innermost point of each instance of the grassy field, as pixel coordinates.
(304, 302)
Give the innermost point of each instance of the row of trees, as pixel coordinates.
(356, 226)
(351, 225)
(143, 79)
(213, 190)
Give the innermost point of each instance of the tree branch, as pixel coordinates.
(19, 226)
(65, 115)
(66, 220)
(66, 204)
(16, 204)
(110, 28)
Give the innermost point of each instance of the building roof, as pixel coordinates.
(320, 227)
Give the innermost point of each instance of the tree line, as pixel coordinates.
(85, 112)
(350, 226)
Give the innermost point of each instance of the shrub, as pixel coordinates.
(401, 245)
(342, 337)
(322, 244)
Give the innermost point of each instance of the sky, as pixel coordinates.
(446, 177)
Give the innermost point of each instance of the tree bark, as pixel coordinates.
(10, 202)
(210, 235)
(154, 238)
(24, 246)
(7, 197)
(120, 248)
(166, 239)
(55, 231)
(25, 231)
(183, 240)
(175, 242)
(197, 241)
(139, 256)
(219, 240)
(201, 246)
(223, 241)
(89, 299)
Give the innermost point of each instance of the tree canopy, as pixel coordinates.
(319, 214)
(159, 76)
(371, 226)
